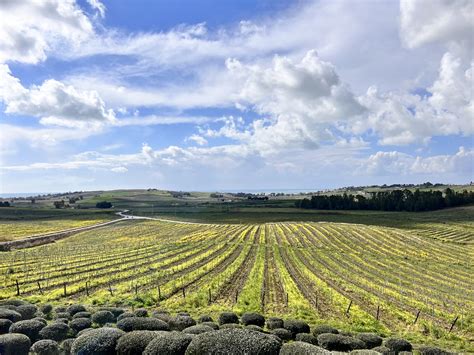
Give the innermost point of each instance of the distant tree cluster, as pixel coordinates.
(4, 204)
(396, 200)
(103, 204)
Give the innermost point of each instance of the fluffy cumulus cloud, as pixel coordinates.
(31, 29)
(427, 21)
(53, 102)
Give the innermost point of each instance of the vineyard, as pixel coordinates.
(362, 277)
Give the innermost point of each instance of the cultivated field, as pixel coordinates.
(354, 276)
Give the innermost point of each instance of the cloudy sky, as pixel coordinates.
(234, 95)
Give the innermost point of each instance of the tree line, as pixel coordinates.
(395, 200)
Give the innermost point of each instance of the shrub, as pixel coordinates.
(42, 320)
(398, 345)
(306, 338)
(429, 350)
(302, 348)
(103, 317)
(61, 309)
(82, 315)
(46, 308)
(5, 325)
(103, 204)
(255, 328)
(13, 302)
(27, 311)
(79, 324)
(30, 328)
(66, 346)
(134, 342)
(234, 341)
(62, 315)
(365, 352)
(283, 334)
(14, 344)
(296, 326)
(62, 320)
(76, 308)
(230, 326)
(181, 322)
(170, 343)
(371, 340)
(382, 350)
(125, 315)
(274, 323)
(83, 331)
(141, 312)
(115, 310)
(163, 315)
(139, 323)
(198, 329)
(228, 317)
(324, 329)
(205, 318)
(45, 347)
(97, 341)
(55, 331)
(211, 324)
(253, 318)
(9, 314)
(338, 342)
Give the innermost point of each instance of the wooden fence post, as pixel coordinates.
(348, 308)
(39, 287)
(210, 297)
(287, 299)
(65, 290)
(236, 296)
(417, 315)
(159, 293)
(454, 322)
(136, 289)
(17, 288)
(184, 293)
(378, 312)
(110, 290)
(87, 288)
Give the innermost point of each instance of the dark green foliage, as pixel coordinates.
(302, 348)
(46, 308)
(45, 347)
(395, 200)
(283, 334)
(82, 315)
(255, 328)
(140, 323)
(430, 350)
(307, 338)
(382, 350)
(371, 340)
(55, 331)
(170, 343)
(125, 315)
(4, 204)
(5, 325)
(79, 324)
(66, 346)
(230, 326)
(274, 323)
(322, 329)
(115, 311)
(181, 322)
(234, 341)
(198, 329)
(296, 326)
(76, 308)
(62, 315)
(134, 342)
(253, 318)
(9, 314)
(338, 342)
(103, 317)
(42, 320)
(101, 341)
(30, 328)
(397, 345)
(228, 317)
(27, 311)
(211, 324)
(141, 312)
(103, 204)
(205, 318)
(14, 344)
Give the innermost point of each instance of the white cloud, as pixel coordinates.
(427, 21)
(31, 29)
(119, 169)
(98, 6)
(199, 140)
(53, 102)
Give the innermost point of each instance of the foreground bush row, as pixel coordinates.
(28, 329)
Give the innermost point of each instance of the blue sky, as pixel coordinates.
(234, 95)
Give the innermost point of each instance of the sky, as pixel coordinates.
(212, 95)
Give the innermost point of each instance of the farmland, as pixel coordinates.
(372, 272)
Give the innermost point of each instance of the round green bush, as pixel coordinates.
(30, 328)
(55, 331)
(9, 314)
(170, 343)
(84, 314)
(230, 326)
(14, 344)
(27, 311)
(46, 308)
(76, 308)
(115, 310)
(62, 315)
(430, 350)
(181, 322)
(5, 325)
(398, 345)
(102, 341)
(42, 320)
(233, 341)
(306, 338)
(211, 324)
(274, 323)
(338, 342)
(125, 315)
(371, 340)
(45, 347)
(205, 318)
(296, 326)
(163, 315)
(141, 312)
(66, 346)
(135, 342)
(283, 334)
(255, 328)
(197, 329)
(324, 329)
(302, 348)
(103, 317)
(382, 350)
(139, 323)
(253, 318)
(79, 324)
(228, 318)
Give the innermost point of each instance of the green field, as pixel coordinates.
(259, 256)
